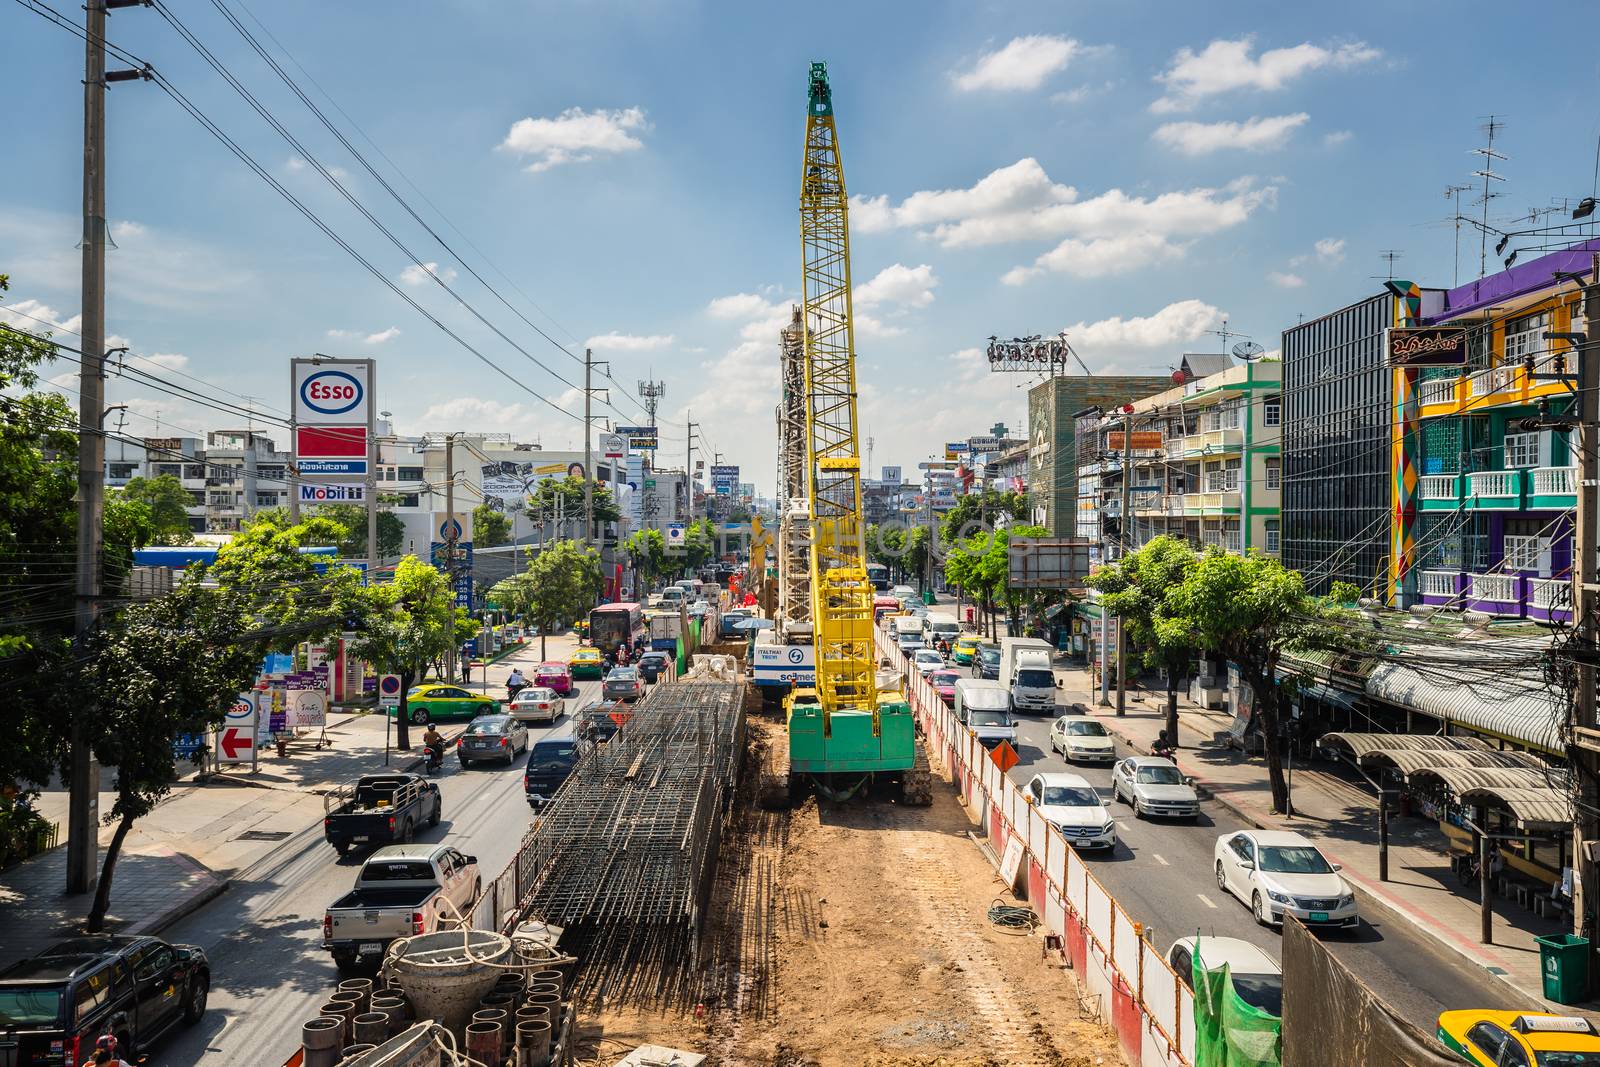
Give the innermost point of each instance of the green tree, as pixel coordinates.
(560, 584)
(1250, 610)
(699, 546)
(405, 625)
(168, 502)
(1136, 588)
(983, 509)
(295, 593)
(353, 519)
(648, 551)
(564, 497)
(490, 526)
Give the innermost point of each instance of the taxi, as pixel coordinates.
(1535, 1038)
(965, 648)
(587, 663)
(435, 703)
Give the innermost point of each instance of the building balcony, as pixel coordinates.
(1439, 492)
(1552, 488)
(1442, 588)
(1226, 502)
(1550, 599)
(1495, 490)
(1227, 540)
(1507, 383)
(1494, 594)
(1159, 504)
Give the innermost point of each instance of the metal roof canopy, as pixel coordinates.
(1408, 761)
(1515, 704)
(1360, 743)
(1459, 780)
(1544, 808)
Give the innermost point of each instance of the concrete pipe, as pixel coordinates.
(499, 999)
(550, 1000)
(501, 1017)
(483, 1043)
(320, 1041)
(339, 1010)
(549, 974)
(393, 1008)
(371, 1027)
(510, 982)
(533, 1043)
(536, 1011)
(542, 987)
(362, 986)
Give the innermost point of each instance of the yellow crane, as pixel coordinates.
(845, 726)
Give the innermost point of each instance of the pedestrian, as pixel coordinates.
(105, 1051)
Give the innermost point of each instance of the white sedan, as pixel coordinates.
(1280, 873)
(1080, 738)
(1154, 786)
(927, 659)
(1072, 806)
(538, 704)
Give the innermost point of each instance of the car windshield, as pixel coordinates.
(624, 674)
(1035, 679)
(552, 668)
(486, 726)
(989, 655)
(553, 753)
(30, 1006)
(1072, 796)
(1086, 729)
(927, 655)
(945, 677)
(989, 718)
(1293, 859)
(533, 696)
(1264, 991)
(1159, 776)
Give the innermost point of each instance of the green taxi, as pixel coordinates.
(435, 703)
(587, 662)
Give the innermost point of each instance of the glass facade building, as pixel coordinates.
(1337, 414)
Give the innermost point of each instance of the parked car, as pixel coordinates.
(1257, 978)
(550, 761)
(965, 648)
(553, 674)
(1535, 1038)
(538, 704)
(1072, 806)
(496, 738)
(380, 809)
(652, 665)
(402, 890)
(623, 683)
(1280, 873)
(436, 703)
(56, 1005)
(944, 683)
(1154, 786)
(924, 660)
(587, 662)
(1081, 739)
(728, 625)
(986, 662)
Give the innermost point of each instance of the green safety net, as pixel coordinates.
(1227, 1031)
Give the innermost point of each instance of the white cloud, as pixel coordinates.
(1079, 94)
(1099, 258)
(34, 316)
(1223, 66)
(381, 336)
(415, 275)
(1257, 134)
(1336, 138)
(898, 284)
(1177, 323)
(1285, 279)
(479, 414)
(575, 136)
(740, 306)
(1330, 250)
(167, 360)
(627, 342)
(1024, 63)
(127, 228)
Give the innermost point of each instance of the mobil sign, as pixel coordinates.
(331, 392)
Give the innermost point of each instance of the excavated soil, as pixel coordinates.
(855, 935)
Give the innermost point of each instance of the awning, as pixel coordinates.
(1459, 780)
(1530, 807)
(1409, 760)
(1055, 609)
(1360, 744)
(1516, 705)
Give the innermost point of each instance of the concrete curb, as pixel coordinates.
(183, 909)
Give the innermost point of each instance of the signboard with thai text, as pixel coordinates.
(1426, 346)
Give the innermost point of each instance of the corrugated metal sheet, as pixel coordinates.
(1460, 779)
(1516, 705)
(1410, 760)
(1360, 744)
(1532, 807)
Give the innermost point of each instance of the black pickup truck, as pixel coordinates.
(380, 809)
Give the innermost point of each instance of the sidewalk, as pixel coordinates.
(184, 853)
(1342, 818)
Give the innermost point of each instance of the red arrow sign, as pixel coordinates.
(235, 740)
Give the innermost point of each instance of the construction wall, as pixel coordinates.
(1138, 995)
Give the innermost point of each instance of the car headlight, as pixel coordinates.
(1348, 900)
(1281, 898)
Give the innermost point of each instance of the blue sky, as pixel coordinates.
(1131, 173)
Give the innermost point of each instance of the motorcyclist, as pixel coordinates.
(515, 684)
(1162, 746)
(433, 745)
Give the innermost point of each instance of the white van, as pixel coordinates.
(1033, 683)
(984, 706)
(940, 626)
(672, 596)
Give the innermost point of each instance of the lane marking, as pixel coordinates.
(1160, 859)
(1206, 901)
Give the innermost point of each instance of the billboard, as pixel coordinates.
(613, 445)
(1047, 563)
(1141, 441)
(312, 493)
(508, 484)
(331, 404)
(639, 438)
(891, 476)
(1426, 346)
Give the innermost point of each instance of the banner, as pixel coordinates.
(639, 438)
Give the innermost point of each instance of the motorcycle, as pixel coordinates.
(434, 758)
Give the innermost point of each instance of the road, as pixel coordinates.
(264, 936)
(1161, 872)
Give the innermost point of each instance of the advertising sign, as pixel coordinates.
(235, 742)
(785, 665)
(306, 708)
(1047, 563)
(331, 392)
(511, 483)
(330, 442)
(1426, 346)
(613, 445)
(328, 468)
(639, 438)
(311, 493)
(891, 475)
(1142, 441)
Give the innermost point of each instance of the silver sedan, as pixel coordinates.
(1154, 786)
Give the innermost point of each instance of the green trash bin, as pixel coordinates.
(1564, 964)
(928, 598)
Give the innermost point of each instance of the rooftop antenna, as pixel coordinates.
(1490, 128)
(1453, 192)
(1389, 255)
(652, 392)
(1226, 333)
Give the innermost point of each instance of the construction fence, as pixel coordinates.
(1127, 979)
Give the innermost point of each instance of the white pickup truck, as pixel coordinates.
(402, 890)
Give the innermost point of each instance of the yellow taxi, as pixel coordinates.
(587, 663)
(435, 703)
(965, 648)
(1531, 1038)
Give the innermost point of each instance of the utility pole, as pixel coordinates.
(588, 447)
(83, 810)
(688, 469)
(1127, 547)
(451, 532)
(1585, 574)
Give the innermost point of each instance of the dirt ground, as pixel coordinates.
(856, 934)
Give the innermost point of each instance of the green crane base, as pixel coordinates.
(845, 743)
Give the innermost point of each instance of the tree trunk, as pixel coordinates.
(542, 629)
(102, 893)
(1266, 712)
(402, 714)
(1172, 707)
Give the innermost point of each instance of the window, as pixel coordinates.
(266, 500)
(93, 991)
(1522, 450)
(409, 474)
(1272, 411)
(1273, 536)
(122, 470)
(1525, 336)
(151, 963)
(159, 469)
(1489, 1039)
(1274, 473)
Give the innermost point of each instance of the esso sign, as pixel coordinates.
(331, 392)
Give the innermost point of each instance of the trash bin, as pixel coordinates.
(928, 597)
(1564, 963)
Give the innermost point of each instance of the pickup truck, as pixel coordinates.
(380, 809)
(402, 890)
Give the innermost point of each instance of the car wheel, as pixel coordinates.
(419, 716)
(438, 812)
(195, 1007)
(407, 833)
(1256, 906)
(1138, 809)
(1222, 880)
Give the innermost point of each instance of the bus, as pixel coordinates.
(878, 575)
(612, 626)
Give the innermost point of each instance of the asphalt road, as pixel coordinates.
(1162, 873)
(270, 972)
